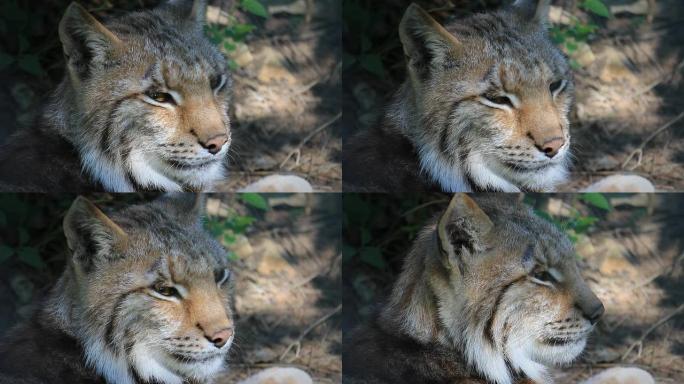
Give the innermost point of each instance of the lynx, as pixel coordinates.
(145, 298)
(143, 106)
(488, 293)
(484, 108)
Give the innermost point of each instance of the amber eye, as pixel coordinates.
(544, 276)
(166, 290)
(160, 97)
(503, 100)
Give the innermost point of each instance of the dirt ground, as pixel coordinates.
(638, 272)
(629, 83)
(633, 259)
(632, 89)
(288, 290)
(286, 103)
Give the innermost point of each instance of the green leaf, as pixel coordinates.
(597, 7)
(232, 65)
(598, 200)
(254, 7)
(232, 256)
(5, 60)
(365, 236)
(30, 64)
(373, 64)
(373, 257)
(30, 256)
(22, 287)
(255, 200)
(348, 251)
(23, 236)
(5, 253)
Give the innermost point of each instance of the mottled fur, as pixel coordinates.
(472, 305)
(484, 107)
(113, 133)
(106, 320)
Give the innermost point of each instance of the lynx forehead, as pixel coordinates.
(145, 99)
(487, 98)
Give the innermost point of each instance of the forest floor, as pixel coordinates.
(638, 273)
(288, 289)
(286, 102)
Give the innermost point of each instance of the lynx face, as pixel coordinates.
(151, 98)
(153, 298)
(492, 96)
(499, 284)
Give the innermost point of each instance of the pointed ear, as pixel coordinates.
(532, 10)
(85, 40)
(426, 43)
(90, 233)
(185, 207)
(191, 10)
(461, 228)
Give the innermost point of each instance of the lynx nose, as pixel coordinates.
(594, 313)
(214, 144)
(551, 147)
(220, 338)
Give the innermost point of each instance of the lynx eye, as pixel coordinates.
(165, 290)
(557, 86)
(221, 276)
(217, 82)
(160, 97)
(503, 100)
(543, 277)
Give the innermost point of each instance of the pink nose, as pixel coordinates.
(214, 144)
(220, 338)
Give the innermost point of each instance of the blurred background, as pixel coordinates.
(628, 61)
(630, 249)
(286, 61)
(284, 252)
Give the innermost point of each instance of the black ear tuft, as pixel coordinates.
(191, 10)
(185, 207)
(532, 10)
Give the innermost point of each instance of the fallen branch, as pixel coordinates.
(640, 149)
(308, 137)
(651, 329)
(311, 327)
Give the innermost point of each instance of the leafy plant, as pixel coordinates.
(571, 36)
(228, 37)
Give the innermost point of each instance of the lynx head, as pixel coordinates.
(149, 291)
(503, 288)
(145, 99)
(491, 96)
